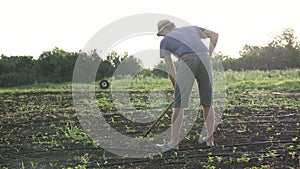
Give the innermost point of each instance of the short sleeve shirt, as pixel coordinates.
(183, 40)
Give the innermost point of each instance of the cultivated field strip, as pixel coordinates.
(41, 130)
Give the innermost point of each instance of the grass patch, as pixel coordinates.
(255, 80)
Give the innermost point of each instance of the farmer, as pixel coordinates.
(194, 63)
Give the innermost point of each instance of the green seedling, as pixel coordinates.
(75, 133)
(261, 158)
(219, 159)
(293, 154)
(294, 138)
(271, 154)
(234, 149)
(210, 159)
(244, 158)
(209, 167)
(129, 130)
(271, 128)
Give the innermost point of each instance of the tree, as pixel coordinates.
(288, 48)
(87, 65)
(286, 40)
(129, 66)
(16, 70)
(56, 66)
(281, 53)
(160, 70)
(109, 65)
(5, 66)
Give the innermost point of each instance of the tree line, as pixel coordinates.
(57, 66)
(282, 52)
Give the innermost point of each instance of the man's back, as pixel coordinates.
(184, 40)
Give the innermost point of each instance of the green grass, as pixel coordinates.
(233, 76)
(39, 87)
(245, 81)
(275, 80)
(292, 85)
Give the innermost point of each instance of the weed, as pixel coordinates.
(188, 137)
(85, 158)
(261, 158)
(292, 154)
(210, 159)
(244, 158)
(175, 154)
(223, 147)
(22, 165)
(231, 160)
(129, 130)
(272, 154)
(77, 167)
(234, 149)
(265, 166)
(209, 167)
(75, 132)
(112, 119)
(243, 128)
(271, 128)
(219, 159)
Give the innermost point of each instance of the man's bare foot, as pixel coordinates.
(173, 146)
(210, 141)
(167, 146)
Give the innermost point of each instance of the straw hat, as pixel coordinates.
(164, 24)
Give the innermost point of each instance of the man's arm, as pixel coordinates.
(213, 40)
(170, 69)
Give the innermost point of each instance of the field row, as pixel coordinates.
(41, 130)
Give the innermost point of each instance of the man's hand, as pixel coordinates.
(213, 40)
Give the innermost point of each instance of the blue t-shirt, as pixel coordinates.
(183, 40)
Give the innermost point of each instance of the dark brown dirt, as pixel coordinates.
(254, 132)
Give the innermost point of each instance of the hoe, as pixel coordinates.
(158, 119)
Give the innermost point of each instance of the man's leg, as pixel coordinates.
(184, 82)
(205, 86)
(177, 118)
(209, 121)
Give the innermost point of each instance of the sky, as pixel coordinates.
(33, 26)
